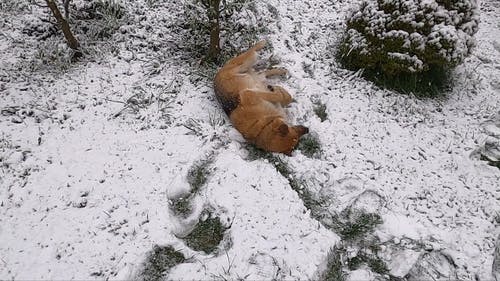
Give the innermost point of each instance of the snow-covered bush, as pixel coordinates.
(409, 36)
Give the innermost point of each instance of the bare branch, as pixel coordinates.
(66, 9)
(48, 21)
(34, 2)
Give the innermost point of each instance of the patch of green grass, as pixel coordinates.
(207, 235)
(255, 153)
(355, 262)
(334, 268)
(159, 261)
(320, 110)
(309, 145)
(278, 163)
(181, 206)
(377, 265)
(358, 225)
(366, 255)
(372, 261)
(355, 228)
(281, 166)
(491, 163)
(198, 174)
(311, 202)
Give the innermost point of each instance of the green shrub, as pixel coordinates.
(415, 41)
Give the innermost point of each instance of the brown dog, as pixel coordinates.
(255, 107)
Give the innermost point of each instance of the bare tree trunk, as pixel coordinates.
(70, 38)
(213, 17)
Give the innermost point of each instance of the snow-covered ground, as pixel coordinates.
(92, 155)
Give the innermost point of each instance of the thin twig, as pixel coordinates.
(66, 9)
(37, 4)
(117, 101)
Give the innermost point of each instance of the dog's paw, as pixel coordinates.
(276, 89)
(280, 71)
(261, 44)
(275, 72)
(286, 98)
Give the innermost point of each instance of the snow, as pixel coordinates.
(85, 184)
(360, 274)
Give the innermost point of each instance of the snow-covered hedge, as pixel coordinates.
(409, 36)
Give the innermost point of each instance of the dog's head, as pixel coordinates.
(285, 137)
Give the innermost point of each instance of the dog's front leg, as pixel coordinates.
(245, 61)
(274, 72)
(278, 90)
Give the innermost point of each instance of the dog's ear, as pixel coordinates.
(283, 130)
(301, 130)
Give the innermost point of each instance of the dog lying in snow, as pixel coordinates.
(255, 107)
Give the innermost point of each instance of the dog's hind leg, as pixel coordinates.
(246, 60)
